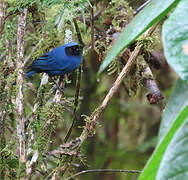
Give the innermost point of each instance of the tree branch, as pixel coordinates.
(59, 93)
(20, 80)
(104, 170)
(92, 27)
(89, 128)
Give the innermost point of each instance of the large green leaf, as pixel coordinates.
(151, 14)
(151, 168)
(175, 39)
(176, 103)
(174, 164)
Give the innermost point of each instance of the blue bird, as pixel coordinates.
(57, 62)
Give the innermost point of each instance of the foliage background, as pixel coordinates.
(127, 132)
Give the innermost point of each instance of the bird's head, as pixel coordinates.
(73, 49)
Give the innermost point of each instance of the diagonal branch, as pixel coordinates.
(89, 128)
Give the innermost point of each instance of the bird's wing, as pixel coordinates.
(45, 63)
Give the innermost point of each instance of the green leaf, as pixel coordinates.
(174, 163)
(176, 103)
(151, 168)
(151, 14)
(175, 39)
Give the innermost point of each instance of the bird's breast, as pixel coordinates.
(73, 63)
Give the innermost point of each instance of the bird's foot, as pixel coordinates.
(57, 86)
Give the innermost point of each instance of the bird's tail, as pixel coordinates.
(30, 73)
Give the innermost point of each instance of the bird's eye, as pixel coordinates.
(76, 48)
(73, 50)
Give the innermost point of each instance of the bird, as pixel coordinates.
(58, 62)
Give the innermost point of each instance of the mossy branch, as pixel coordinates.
(20, 96)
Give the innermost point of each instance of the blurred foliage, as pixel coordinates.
(126, 134)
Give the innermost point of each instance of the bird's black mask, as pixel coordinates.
(73, 51)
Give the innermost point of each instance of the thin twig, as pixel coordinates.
(20, 80)
(141, 7)
(75, 103)
(95, 16)
(78, 34)
(92, 27)
(104, 170)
